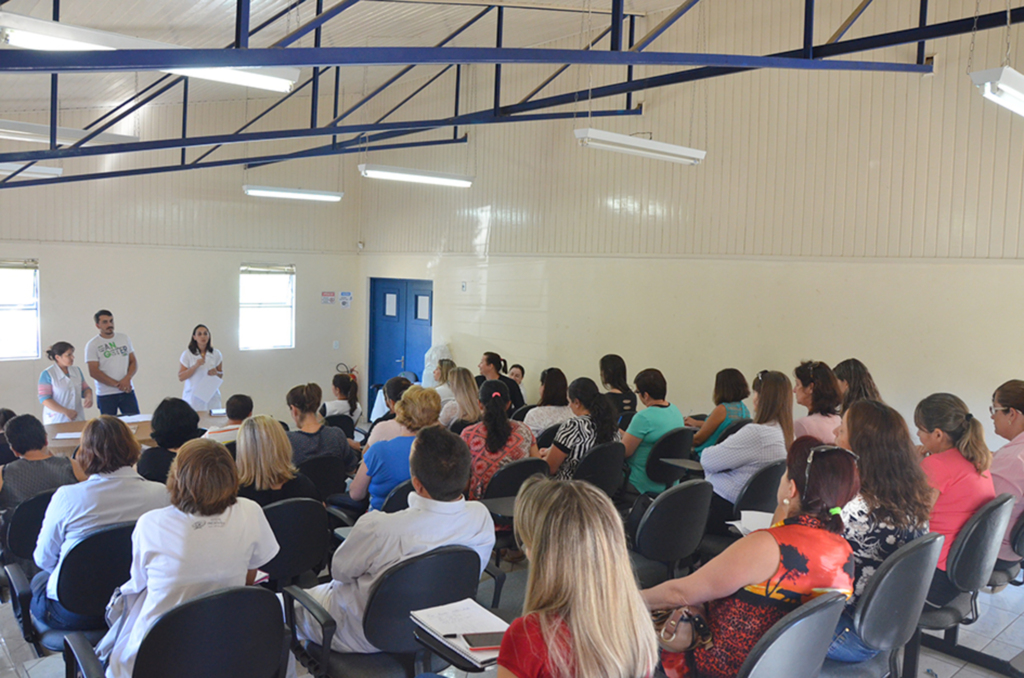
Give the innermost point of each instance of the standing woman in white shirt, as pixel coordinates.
(62, 387)
(199, 360)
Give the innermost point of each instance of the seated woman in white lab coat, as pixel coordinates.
(208, 539)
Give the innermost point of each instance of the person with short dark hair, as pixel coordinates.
(63, 390)
(111, 360)
(646, 428)
(730, 391)
(197, 362)
(238, 409)
(113, 493)
(174, 424)
(517, 373)
(493, 366)
(817, 389)
(6, 456)
(553, 408)
(36, 469)
(312, 438)
(208, 539)
(386, 428)
(437, 516)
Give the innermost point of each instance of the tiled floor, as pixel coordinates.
(999, 631)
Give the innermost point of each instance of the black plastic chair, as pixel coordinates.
(676, 444)
(732, 428)
(624, 419)
(671, 528)
(231, 633)
(547, 436)
(328, 474)
(302, 531)
(603, 466)
(438, 577)
(344, 422)
(969, 565)
(887, 612)
(795, 647)
(284, 425)
(506, 482)
(520, 414)
(89, 573)
(398, 498)
(232, 447)
(760, 493)
(460, 425)
(1010, 575)
(21, 529)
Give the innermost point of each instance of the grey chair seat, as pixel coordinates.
(648, 572)
(1004, 577)
(947, 616)
(871, 668)
(712, 545)
(53, 639)
(377, 665)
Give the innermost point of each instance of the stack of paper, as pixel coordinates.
(447, 623)
(752, 520)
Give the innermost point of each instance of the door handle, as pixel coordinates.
(401, 360)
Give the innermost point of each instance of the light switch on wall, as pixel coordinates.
(337, 345)
(463, 285)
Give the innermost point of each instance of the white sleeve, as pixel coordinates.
(185, 358)
(92, 353)
(734, 452)
(128, 341)
(265, 546)
(355, 556)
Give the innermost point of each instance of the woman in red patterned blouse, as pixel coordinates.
(583, 616)
(768, 573)
(496, 440)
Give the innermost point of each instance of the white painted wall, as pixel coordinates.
(158, 295)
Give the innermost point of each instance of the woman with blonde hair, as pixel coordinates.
(466, 407)
(264, 458)
(386, 463)
(441, 374)
(956, 461)
(583, 615)
(313, 439)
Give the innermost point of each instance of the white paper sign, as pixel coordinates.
(345, 299)
(71, 435)
(205, 389)
(327, 297)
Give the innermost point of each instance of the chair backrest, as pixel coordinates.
(796, 645)
(676, 444)
(673, 525)
(398, 498)
(506, 480)
(972, 557)
(327, 472)
(94, 567)
(761, 491)
(24, 523)
(344, 422)
(547, 436)
(232, 447)
(284, 425)
(231, 633)
(444, 575)
(301, 528)
(459, 425)
(732, 428)
(602, 466)
(520, 414)
(1017, 536)
(887, 612)
(411, 376)
(625, 418)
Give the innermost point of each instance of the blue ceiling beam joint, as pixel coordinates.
(314, 24)
(315, 98)
(922, 22)
(808, 29)
(850, 21)
(663, 26)
(629, 69)
(184, 117)
(565, 67)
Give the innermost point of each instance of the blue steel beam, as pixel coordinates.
(314, 24)
(850, 20)
(618, 9)
(241, 24)
(390, 81)
(315, 97)
(922, 22)
(163, 169)
(31, 61)
(808, 29)
(497, 69)
(664, 25)
(484, 117)
(184, 117)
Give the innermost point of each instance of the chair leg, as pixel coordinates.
(498, 575)
(912, 655)
(422, 662)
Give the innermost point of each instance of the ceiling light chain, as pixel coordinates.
(1006, 61)
(974, 34)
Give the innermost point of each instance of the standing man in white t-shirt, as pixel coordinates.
(112, 364)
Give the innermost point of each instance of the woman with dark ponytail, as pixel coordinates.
(493, 367)
(346, 397)
(956, 461)
(593, 423)
(496, 440)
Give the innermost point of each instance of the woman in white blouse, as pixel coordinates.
(63, 390)
(553, 408)
(198, 361)
(208, 539)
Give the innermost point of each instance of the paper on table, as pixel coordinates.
(206, 387)
(752, 520)
(70, 435)
(135, 418)
(464, 616)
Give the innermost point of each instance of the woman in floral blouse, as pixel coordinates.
(891, 509)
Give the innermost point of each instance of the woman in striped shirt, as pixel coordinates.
(594, 423)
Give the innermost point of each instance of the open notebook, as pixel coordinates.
(447, 623)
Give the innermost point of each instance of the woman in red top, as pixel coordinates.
(956, 461)
(768, 573)
(583, 616)
(496, 440)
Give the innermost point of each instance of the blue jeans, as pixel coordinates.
(53, 614)
(847, 645)
(110, 404)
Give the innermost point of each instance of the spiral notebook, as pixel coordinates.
(447, 623)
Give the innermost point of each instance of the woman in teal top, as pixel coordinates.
(730, 391)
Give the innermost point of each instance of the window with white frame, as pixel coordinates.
(19, 309)
(266, 316)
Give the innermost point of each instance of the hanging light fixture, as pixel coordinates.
(414, 176)
(291, 193)
(646, 148)
(1003, 85)
(33, 172)
(27, 131)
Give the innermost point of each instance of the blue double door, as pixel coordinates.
(401, 316)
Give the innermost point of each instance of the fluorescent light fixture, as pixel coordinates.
(291, 193)
(1004, 86)
(27, 131)
(623, 143)
(28, 32)
(33, 172)
(415, 176)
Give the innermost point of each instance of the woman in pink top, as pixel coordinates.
(817, 389)
(1007, 412)
(956, 461)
